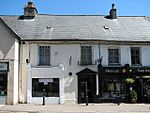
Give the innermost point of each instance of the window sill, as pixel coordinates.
(86, 64)
(135, 65)
(42, 66)
(114, 64)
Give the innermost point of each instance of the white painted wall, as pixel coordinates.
(145, 55)
(60, 54)
(16, 72)
(125, 55)
(104, 54)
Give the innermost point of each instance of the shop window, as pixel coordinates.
(113, 56)
(86, 55)
(112, 87)
(48, 87)
(3, 84)
(135, 55)
(44, 55)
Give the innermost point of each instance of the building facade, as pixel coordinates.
(9, 65)
(75, 59)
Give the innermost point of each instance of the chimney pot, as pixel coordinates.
(30, 10)
(113, 12)
(113, 6)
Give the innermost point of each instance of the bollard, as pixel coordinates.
(43, 97)
(86, 100)
(43, 101)
(118, 98)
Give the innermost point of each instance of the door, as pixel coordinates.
(86, 87)
(146, 90)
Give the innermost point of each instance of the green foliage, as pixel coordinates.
(133, 94)
(129, 80)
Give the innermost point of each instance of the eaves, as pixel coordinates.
(88, 41)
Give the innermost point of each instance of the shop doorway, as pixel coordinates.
(143, 89)
(86, 86)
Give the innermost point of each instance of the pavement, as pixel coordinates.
(76, 108)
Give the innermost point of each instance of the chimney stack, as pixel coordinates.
(30, 10)
(113, 12)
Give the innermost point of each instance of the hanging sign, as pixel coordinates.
(3, 66)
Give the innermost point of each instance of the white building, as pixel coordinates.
(62, 55)
(9, 61)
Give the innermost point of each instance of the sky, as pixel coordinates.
(78, 7)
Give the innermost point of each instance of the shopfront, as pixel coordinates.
(112, 84)
(142, 82)
(3, 82)
(45, 82)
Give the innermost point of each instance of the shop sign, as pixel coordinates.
(3, 66)
(112, 70)
(143, 70)
(45, 80)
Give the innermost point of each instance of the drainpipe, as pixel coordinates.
(99, 72)
(20, 72)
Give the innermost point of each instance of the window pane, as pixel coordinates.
(51, 86)
(86, 55)
(44, 55)
(113, 56)
(135, 55)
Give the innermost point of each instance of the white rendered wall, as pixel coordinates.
(61, 54)
(145, 55)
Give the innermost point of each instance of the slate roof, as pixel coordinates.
(80, 27)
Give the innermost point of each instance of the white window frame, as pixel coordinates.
(91, 55)
(39, 56)
(139, 55)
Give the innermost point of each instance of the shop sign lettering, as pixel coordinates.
(45, 80)
(112, 71)
(143, 70)
(3, 66)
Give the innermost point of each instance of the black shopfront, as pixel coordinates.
(112, 83)
(142, 83)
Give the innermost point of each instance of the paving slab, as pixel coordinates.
(79, 108)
